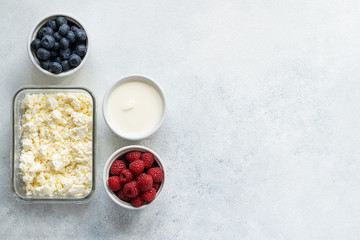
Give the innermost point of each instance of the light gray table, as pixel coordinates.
(261, 140)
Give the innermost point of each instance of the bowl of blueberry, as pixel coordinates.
(58, 45)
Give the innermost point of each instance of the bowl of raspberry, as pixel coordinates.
(134, 177)
(58, 45)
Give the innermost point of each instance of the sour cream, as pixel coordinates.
(134, 108)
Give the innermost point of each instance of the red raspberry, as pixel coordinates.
(137, 202)
(122, 196)
(145, 182)
(140, 176)
(117, 167)
(114, 183)
(156, 173)
(149, 195)
(131, 189)
(133, 156)
(126, 176)
(156, 186)
(137, 167)
(148, 159)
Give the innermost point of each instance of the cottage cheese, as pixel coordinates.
(56, 156)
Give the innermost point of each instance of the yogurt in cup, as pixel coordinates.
(134, 107)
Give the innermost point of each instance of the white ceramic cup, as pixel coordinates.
(116, 155)
(35, 31)
(112, 125)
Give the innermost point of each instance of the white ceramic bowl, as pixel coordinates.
(118, 131)
(116, 155)
(36, 29)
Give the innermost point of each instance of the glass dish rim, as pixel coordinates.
(12, 151)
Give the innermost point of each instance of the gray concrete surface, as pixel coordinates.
(261, 139)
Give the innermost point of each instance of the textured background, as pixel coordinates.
(261, 139)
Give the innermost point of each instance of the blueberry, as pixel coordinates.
(48, 42)
(57, 36)
(45, 64)
(80, 35)
(71, 37)
(57, 59)
(45, 31)
(55, 67)
(43, 54)
(52, 24)
(56, 46)
(61, 20)
(74, 28)
(64, 43)
(54, 54)
(81, 50)
(35, 44)
(64, 29)
(74, 60)
(65, 53)
(65, 65)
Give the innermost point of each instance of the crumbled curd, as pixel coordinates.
(56, 156)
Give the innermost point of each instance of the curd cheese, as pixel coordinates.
(56, 137)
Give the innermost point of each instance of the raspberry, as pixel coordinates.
(137, 202)
(148, 159)
(131, 189)
(140, 176)
(156, 186)
(149, 195)
(114, 183)
(122, 196)
(126, 176)
(156, 173)
(133, 156)
(117, 167)
(145, 182)
(137, 167)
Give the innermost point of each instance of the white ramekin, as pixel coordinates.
(106, 174)
(118, 131)
(36, 29)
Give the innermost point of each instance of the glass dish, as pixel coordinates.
(17, 184)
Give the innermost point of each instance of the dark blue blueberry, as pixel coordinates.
(65, 65)
(57, 59)
(55, 67)
(71, 37)
(52, 24)
(61, 20)
(45, 64)
(35, 44)
(65, 53)
(80, 35)
(54, 54)
(81, 50)
(43, 54)
(56, 46)
(57, 36)
(74, 28)
(64, 43)
(45, 31)
(48, 42)
(64, 29)
(74, 60)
